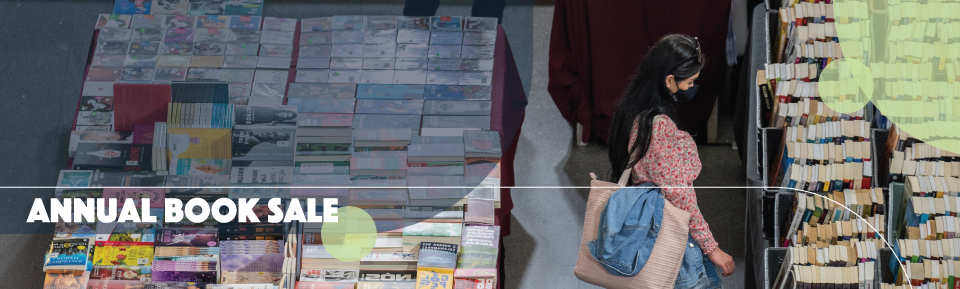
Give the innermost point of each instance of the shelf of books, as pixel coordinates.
(845, 185)
(233, 104)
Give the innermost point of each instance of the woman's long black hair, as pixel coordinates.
(648, 96)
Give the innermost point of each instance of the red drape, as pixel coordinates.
(597, 45)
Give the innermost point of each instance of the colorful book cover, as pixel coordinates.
(382, 134)
(482, 142)
(155, 195)
(458, 92)
(446, 23)
(322, 90)
(68, 254)
(479, 247)
(326, 105)
(413, 228)
(187, 237)
(75, 178)
(439, 255)
(212, 21)
(249, 7)
(479, 211)
(390, 91)
(123, 253)
(130, 7)
(202, 167)
(228, 277)
(386, 106)
(66, 279)
(434, 278)
(245, 22)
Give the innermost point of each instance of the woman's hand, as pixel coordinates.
(722, 260)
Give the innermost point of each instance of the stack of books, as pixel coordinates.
(909, 156)
(251, 261)
(186, 255)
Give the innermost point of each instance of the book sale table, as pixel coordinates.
(506, 117)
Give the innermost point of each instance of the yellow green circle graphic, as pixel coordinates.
(352, 237)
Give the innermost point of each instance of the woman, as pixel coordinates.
(663, 154)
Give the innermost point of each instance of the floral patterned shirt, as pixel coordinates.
(672, 161)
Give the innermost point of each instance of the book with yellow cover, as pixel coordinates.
(196, 143)
(123, 253)
(434, 278)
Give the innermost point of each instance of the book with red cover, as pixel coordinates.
(139, 104)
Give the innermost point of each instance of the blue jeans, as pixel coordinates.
(696, 270)
(481, 8)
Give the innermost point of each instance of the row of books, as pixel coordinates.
(836, 217)
(188, 7)
(911, 157)
(431, 50)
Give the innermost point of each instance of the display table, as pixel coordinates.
(509, 103)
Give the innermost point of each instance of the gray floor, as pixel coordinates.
(42, 55)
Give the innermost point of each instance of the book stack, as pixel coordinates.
(479, 246)
(186, 255)
(251, 262)
(436, 264)
(415, 232)
(832, 240)
(482, 152)
(200, 105)
(910, 157)
(835, 150)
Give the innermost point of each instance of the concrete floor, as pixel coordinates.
(42, 57)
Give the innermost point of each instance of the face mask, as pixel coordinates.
(685, 95)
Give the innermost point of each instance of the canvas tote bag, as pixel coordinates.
(664, 264)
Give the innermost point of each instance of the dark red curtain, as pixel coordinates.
(596, 45)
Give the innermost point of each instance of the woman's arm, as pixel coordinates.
(672, 161)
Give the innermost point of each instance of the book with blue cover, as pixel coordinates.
(390, 91)
(437, 255)
(458, 92)
(127, 7)
(387, 106)
(68, 254)
(326, 105)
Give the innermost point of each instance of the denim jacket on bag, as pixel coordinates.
(627, 231)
